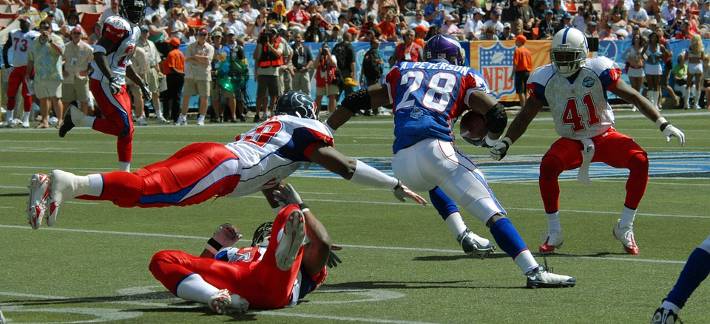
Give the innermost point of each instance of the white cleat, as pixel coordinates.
(627, 239)
(291, 241)
(37, 202)
(141, 121)
(475, 245)
(541, 278)
(25, 124)
(222, 302)
(61, 182)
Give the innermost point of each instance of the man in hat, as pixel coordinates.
(522, 66)
(153, 74)
(637, 15)
(45, 60)
(473, 27)
(78, 55)
(58, 14)
(494, 22)
(198, 76)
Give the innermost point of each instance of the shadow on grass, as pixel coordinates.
(161, 296)
(453, 257)
(14, 194)
(251, 316)
(575, 255)
(458, 284)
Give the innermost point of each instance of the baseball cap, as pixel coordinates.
(480, 11)
(566, 16)
(202, 31)
(217, 34)
(506, 25)
(548, 12)
(521, 38)
(174, 41)
(144, 29)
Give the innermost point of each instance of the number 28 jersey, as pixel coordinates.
(579, 108)
(274, 149)
(119, 31)
(427, 97)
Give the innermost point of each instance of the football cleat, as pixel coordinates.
(223, 303)
(291, 241)
(552, 241)
(627, 239)
(475, 245)
(37, 202)
(60, 182)
(141, 121)
(541, 278)
(665, 316)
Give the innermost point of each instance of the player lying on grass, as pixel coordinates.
(696, 269)
(427, 97)
(258, 160)
(585, 121)
(274, 272)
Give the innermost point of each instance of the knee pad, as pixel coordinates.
(550, 167)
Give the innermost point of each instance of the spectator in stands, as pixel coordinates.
(356, 14)
(302, 61)
(29, 11)
(268, 58)
(559, 10)
(489, 33)
(45, 62)
(331, 12)
(637, 15)
(452, 29)
(566, 21)
(345, 59)
(387, 7)
(198, 76)
(297, 16)
(155, 8)
(408, 50)
(157, 31)
(315, 32)
(419, 34)
(249, 14)
(77, 56)
(326, 80)
(111, 10)
(464, 12)
(704, 17)
(634, 61)
(526, 14)
(668, 11)
(494, 22)
(257, 28)
(507, 33)
(547, 26)
(419, 20)
(387, 28)
(434, 12)
(618, 25)
(474, 26)
(619, 9)
(522, 66)
(234, 24)
(213, 10)
(174, 69)
(58, 14)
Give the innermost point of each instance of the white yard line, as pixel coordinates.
(353, 246)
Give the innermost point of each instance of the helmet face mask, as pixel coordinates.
(132, 10)
(295, 103)
(262, 234)
(569, 51)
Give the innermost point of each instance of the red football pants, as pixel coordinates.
(613, 148)
(192, 175)
(15, 81)
(115, 117)
(261, 282)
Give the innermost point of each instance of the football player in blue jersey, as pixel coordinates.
(427, 97)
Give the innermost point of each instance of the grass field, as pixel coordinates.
(400, 264)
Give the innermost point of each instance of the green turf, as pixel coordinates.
(376, 282)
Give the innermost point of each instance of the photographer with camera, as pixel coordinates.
(326, 78)
(269, 57)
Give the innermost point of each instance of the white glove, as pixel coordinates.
(287, 195)
(500, 149)
(670, 131)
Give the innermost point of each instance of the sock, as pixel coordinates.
(627, 217)
(9, 116)
(509, 240)
(553, 222)
(201, 118)
(696, 269)
(652, 96)
(124, 166)
(25, 116)
(96, 185)
(158, 109)
(668, 305)
(455, 224)
(194, 288)
(88, 121)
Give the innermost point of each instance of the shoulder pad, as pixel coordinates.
(600, 64)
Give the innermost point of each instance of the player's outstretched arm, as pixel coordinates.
(359, 172)
(517, 128)
(226, 235)
(630, 95)
(371, 98)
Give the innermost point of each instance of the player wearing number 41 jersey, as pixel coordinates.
(258, 160)
(574, 87)
(426, 98)
(111, 66)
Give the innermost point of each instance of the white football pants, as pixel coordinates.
(433, 162)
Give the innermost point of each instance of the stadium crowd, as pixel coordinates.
(193, 47)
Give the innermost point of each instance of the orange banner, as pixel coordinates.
(494, 60)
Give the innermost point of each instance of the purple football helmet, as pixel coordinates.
(444, 47)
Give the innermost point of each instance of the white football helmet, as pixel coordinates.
(569, 51)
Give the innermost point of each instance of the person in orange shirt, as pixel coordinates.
(522, 66)
(174, 68)
(419, 34)
(387, 29)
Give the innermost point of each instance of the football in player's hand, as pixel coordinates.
(473, 127)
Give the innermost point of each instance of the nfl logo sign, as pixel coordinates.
(496, 63)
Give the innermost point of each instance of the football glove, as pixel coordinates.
(115, 85)
(671, 131)
(500, 149)
(226, 235)
(333, 259)
(287, 194)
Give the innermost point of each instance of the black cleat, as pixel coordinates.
(67, 125)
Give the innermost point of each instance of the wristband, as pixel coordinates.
(213, 246)
(303, 206)
(507, 141)
(662, 123)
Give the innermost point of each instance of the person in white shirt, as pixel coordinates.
(494, 22)
(474, 26)
(419, 21)
(155, 8)
(112, 10)
(637, 15)
(234, 24)
(58, 13)
(248, 13)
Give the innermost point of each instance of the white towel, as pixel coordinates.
(587, 155)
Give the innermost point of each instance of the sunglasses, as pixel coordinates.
(201, 34)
